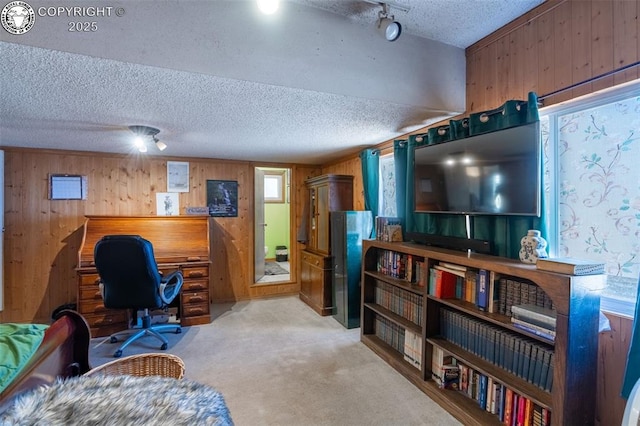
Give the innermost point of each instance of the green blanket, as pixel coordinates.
(18, 343)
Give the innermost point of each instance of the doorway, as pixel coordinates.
(272, 229)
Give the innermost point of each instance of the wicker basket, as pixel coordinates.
(152, 364)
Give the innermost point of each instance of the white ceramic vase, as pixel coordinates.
(532, 247)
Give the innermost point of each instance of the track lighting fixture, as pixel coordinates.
(143, 135)
(387, 24)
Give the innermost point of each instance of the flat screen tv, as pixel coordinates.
(495, 173)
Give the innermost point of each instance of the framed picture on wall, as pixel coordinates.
(222, 198)
(167, 204)
(177, 176)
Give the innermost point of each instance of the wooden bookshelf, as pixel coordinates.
(571, 399)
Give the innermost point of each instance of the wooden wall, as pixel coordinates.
(553, 47)
(42, 236)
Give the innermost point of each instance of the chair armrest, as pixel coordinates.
(170, 286)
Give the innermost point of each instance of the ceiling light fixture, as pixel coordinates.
(143, 134)
(268, 7)
(387, 24)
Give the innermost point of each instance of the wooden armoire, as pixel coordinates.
(325, 193)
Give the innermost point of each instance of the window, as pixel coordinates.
(591, 150)
(387, 188)
(274, 186)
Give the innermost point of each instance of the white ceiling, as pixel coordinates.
(307, 85)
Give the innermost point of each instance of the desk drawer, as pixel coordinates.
(195, 309)
(195, 285)
(195, 271)
(109, 317)
(192, 297)
(102, 325)
(90, 293)
(89, 279)
(92, 306)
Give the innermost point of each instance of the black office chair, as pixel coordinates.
(129, 279)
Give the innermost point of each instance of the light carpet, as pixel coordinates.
(277, 362)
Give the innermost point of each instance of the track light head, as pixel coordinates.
(387, 25)
(159, 144)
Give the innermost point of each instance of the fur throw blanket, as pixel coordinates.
(119, 400)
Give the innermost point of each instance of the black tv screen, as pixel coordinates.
(496, 173)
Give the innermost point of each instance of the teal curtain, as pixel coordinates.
(370, 160)
(632, 371)
(400, 155)
(504, 232)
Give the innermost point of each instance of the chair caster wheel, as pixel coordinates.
(178, 330)
(113, 339)
(117, 354)
(164, 347)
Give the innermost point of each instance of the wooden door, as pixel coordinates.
(258, 226)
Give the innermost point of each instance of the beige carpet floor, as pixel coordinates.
(279, 363)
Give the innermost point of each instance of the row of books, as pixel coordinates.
(511, 408)
(404, 303)
(448, 282)
(516, 292)
(524, 357)
(405, 341)
(402, 266)
(390, 333)
(388, 229)
(535, 319)
(486, 289)
(492, 396)
(413, 348)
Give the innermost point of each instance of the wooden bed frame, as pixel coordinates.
(64, 352)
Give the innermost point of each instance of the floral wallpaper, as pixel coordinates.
(388, 186)
(598, 184)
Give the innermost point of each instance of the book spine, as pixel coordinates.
(508, 406)
(522, 403)
(482, 393)
(523, 313)
(482, 290)
(551, 336)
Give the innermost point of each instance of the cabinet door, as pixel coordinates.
(322, 218)
(305, 277)
(313, 219)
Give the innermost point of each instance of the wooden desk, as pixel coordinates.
(179, 242)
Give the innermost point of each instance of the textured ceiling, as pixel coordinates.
(459, 23)
(219, 80)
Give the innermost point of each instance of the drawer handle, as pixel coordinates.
(195, 274)
(196, 311)
(97, 295)
(193, 259)
(317, 262)
(196, 299)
